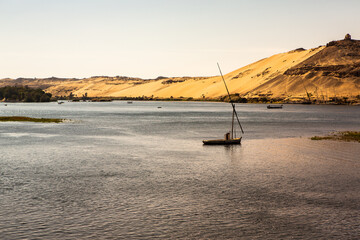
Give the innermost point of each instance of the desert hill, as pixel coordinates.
(322, 73)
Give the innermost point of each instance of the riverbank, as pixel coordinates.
(29, 119)
(234, 98)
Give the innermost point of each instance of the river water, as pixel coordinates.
(140, 171)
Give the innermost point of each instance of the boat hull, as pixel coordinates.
(274, 107)
(222, 141)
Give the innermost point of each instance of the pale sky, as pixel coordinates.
(150, 38)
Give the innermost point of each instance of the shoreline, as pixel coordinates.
(30, 119)
(344, 136)
(110, 99)
(224, 99)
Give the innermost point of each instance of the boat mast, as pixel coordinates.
(232, 104)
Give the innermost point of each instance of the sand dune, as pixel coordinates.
(323, 72)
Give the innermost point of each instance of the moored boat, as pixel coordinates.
(222, 141)
(230, 137)
(274, 106)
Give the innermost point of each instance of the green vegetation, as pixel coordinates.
(235, 98)
(23, 94)
(351, 136)
(321, 138)
(342, 136)
(28, 119)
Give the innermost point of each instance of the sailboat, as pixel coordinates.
(230, 137)
(274, 106)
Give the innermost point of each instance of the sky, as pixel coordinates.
(151, 38)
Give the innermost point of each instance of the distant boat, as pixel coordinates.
(274, 106)
(129, 102)
(230, 137)
(60, 102)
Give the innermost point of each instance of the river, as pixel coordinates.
(140, 171)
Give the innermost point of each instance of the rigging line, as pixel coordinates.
(237, 118)
(232, 104)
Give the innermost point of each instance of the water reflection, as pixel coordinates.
(123, 171)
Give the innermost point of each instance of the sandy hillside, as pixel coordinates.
(323, 72)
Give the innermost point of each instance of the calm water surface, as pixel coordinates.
(136, 171)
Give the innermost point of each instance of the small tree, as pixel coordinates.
(85, 96)
(71, 96)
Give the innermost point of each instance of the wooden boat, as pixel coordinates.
(274, 106)
(223, 141)
(230, 137)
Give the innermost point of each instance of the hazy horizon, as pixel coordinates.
(147, 39)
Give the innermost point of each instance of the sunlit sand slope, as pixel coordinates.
(323, 72)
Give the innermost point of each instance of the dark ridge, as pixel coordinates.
(160, 78)
(339, 59)
(339, 71)
(347, 43)
(172, 81)
(298, 50)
